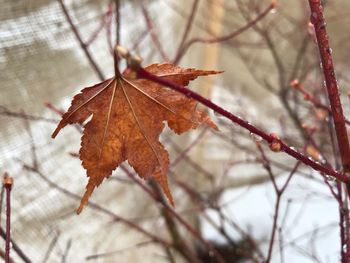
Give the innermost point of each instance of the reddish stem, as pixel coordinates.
(318, 20)
(117, 22)
(50, 106)
(7, 182)
(270, 138)
(308, 96)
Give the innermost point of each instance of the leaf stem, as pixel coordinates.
(270, 138)
(117, 42)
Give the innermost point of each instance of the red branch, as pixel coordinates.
(272, 139)
(7, 182)
(318, 20)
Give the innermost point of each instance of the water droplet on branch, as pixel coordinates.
(323, 25)
(255, 137)
(330, 178)
(313, 18)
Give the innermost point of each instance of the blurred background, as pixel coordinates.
(223, 182)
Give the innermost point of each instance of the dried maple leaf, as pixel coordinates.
(128, 116)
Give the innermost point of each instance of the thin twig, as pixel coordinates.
(80, 40)
(95, 206)
(309, 97)
(154, 36)
(50, 248)
(6, 112)
(8, 182)
(117, 22)
(15, 247)
(189, 228)
(66, 251)
(32, 144)
(188, 26)
(112, 253)
(117, 37)
(225, 37)
(103, 22)
(1, 200)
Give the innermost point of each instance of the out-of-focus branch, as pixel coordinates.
(224, 38)
(21, 115)
(95, 206)
(188, 25)
(154, 36)
(174, 214)
(309, 97)
(80, 40)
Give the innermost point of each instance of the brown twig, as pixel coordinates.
(117, 37)
(173, 213)
(80, 40)
(179, 243)
(111, 253)
(154, 36)
(187, 27)
(6, 112)
(227, 37)
(95, 206)
(279, 192)
(15, 247)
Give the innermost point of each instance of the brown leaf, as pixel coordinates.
(127, 118)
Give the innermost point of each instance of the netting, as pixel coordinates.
(42, 63)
